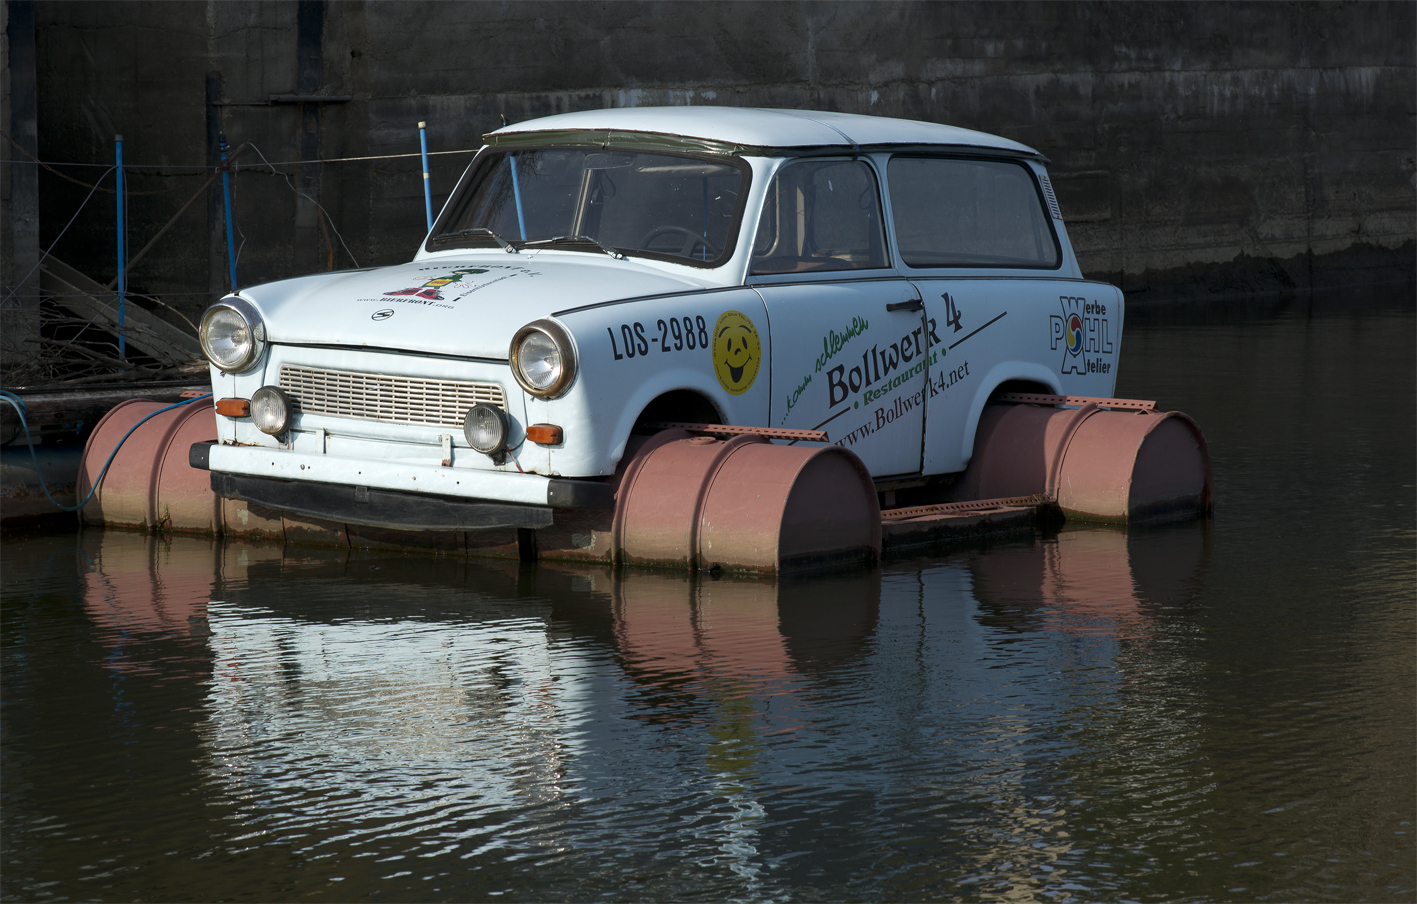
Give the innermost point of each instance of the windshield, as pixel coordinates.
(684, 209)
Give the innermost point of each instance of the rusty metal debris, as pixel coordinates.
(964, 508)
(75, 339)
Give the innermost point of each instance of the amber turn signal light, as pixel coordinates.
(544, 434)
(233, 407)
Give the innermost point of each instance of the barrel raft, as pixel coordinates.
(689, 501)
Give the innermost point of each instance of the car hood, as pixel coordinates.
(464, 306)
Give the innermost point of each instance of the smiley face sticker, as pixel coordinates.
(737, 352)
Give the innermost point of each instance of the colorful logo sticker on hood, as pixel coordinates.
(429, 289)
(444, 285)
(737, 352)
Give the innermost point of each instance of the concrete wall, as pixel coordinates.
(1196, 147)
(19, 183)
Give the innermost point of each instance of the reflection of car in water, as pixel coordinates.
(480, 709)
(597, 273)
(502, 712)
(437, 700)
(483, 704)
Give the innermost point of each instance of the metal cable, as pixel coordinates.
(17, 403)
(85, 202)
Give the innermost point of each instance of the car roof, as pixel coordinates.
(749, 129)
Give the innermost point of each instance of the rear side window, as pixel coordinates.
(969, 213)
(821, 215)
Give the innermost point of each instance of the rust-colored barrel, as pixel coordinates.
(150, 483)
(744, 503)
(1100, 464)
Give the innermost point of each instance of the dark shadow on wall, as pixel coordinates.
(1360, 264)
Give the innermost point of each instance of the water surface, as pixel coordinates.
(1210, 711)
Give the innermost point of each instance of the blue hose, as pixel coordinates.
(18, 404)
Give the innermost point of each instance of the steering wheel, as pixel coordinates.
(692, 240)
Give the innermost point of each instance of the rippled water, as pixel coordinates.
(1212, 711)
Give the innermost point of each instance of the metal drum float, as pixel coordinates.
(1110, 460)
(701, 502)
(150, 485)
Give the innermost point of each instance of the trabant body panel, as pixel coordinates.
(827, 332)
(466, 305)
(632, 353)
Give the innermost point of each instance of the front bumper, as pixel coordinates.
(392, 494)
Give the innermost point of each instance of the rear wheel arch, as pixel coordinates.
(1037, 387)
(1008, 376)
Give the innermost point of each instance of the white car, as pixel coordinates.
(597, 273)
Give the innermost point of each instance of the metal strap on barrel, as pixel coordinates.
(818, 436)
(1033, 398)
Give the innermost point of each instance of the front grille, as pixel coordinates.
(392, 400)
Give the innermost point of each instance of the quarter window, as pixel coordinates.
(969, 213)
(821, 215)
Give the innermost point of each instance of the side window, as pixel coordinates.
(821, 215)
(969, 213)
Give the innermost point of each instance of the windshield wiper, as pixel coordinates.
(578, 240)
(478, 230)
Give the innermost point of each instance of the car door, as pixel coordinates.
(978, 243)
(849, 344)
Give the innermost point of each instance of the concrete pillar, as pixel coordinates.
(19, 278)
(217, 278)
(311, 242)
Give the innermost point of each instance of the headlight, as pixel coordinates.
(270, 410)
(233, 335)
(543, 359)
(485, 428)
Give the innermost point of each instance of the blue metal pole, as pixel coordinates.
(122, 258)
(517, 193)
(427, 188)
(230, 232)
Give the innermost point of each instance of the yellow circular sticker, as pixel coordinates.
(737, 352)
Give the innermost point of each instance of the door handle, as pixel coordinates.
(913, 304)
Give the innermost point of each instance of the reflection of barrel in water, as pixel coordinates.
(670, 626)
(1090, 580)
(141, 587)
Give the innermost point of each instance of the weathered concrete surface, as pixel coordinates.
(1196, 147)
(19, 184)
